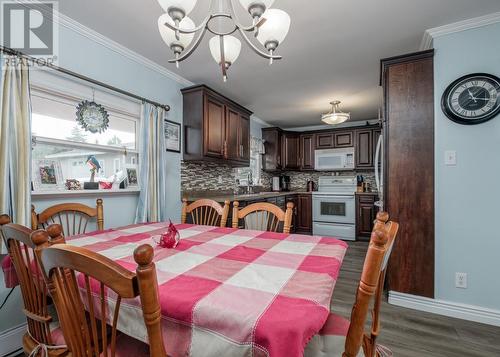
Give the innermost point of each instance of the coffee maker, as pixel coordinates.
(281, 183)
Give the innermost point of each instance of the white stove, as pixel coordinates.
(334, 209)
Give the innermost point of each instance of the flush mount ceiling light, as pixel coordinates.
(335, 115)
(269, 27)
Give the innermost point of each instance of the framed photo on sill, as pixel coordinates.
(47, 175)
(172, 136)
(132, 178)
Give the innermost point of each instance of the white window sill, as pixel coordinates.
(85, 193)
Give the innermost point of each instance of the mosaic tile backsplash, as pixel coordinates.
(208, 176)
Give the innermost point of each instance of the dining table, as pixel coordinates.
(226, 291)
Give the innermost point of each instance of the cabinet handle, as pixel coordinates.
(241, 150)
(225, 149)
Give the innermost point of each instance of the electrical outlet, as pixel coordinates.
(461, 280)
(450, 158)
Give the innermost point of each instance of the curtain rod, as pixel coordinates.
(11, 51)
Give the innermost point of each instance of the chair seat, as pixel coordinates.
(330, 341)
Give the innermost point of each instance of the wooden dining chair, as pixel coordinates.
(263, 216)
(73, 217)
(42, 331)
(205, 212)
(341, 337)
(77, 277)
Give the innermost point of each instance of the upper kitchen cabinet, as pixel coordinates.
(344, 139)
(364, 148)
(272, 142)
(290, 153)
(215, 127)
(306, 151)
(334, 139)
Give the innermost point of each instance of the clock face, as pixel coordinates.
(472, 99)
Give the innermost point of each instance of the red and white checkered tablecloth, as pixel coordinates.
(229, 292)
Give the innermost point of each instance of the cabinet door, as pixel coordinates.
(324, 140)
(272, 144)
(295, 201)
(290, 152)
(232, 147)
(306, 152)
(366, 212)
(364, 148)
(344, 139)
(244, 139)
(366, 218)
(304, 213)
(214, 128)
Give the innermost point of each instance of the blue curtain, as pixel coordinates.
(15, 140)
(152, 165)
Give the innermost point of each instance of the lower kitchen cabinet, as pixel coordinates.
(366, 212)
(304, 213)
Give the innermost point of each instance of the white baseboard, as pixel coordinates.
(12, 340)
(446, 308)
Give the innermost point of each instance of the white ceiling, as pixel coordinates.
(332, 50)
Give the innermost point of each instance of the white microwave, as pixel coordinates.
(334, 159)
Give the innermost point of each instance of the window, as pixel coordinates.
(58, 136)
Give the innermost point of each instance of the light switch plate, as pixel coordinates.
(450, 158)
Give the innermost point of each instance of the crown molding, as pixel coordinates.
(476, 22)
(260, 121)
(102, 40)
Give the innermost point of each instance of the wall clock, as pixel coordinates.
(472, 99)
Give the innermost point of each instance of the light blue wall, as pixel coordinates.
(467, 196)
(82, 55)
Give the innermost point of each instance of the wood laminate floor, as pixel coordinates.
(411, 333)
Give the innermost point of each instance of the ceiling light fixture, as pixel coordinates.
(335, 115)
(269, 27)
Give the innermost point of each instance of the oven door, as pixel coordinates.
(334, 208)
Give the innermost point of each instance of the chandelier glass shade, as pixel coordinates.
(182, 36)
(335, 115)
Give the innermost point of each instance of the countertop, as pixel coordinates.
(367, 193)
(221, 197)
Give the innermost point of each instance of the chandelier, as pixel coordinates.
(269, 27)
(335, 115)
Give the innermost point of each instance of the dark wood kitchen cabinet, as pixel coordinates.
(366, 212)
(364, 148)
(325, 140)
(304, 213)
(344, 139)
(408, 85)
(306, 152)
(272, 143)
(215, 127)
(290, 151)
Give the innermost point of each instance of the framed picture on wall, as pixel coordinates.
(47, 175)
(172, 136)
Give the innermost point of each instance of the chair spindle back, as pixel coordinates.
(33, 288)
(371, 286)
(73, 217)
(205, 212)
(83, 285)
(263, 216)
